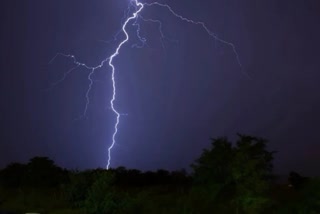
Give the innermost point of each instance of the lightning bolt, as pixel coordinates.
(136, 15)
(116, 53)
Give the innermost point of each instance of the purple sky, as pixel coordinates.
(176, 97)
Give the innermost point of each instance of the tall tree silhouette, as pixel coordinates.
(239, 172)
(42, 172)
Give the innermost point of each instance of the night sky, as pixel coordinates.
(176, 96)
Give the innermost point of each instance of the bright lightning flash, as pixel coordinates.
(135, 16)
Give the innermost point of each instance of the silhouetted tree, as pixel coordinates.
(77, 189)
(13, 175)
(240, 172)
(296, 180)
(214, 165)
(42, 172)
(101, 195)
(251, 172)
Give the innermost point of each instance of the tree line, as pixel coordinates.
(227, 178)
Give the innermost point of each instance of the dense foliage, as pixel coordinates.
(227, 178)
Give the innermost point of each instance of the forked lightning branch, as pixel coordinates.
(133, 15)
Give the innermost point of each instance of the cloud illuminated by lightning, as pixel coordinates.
(136, 15)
